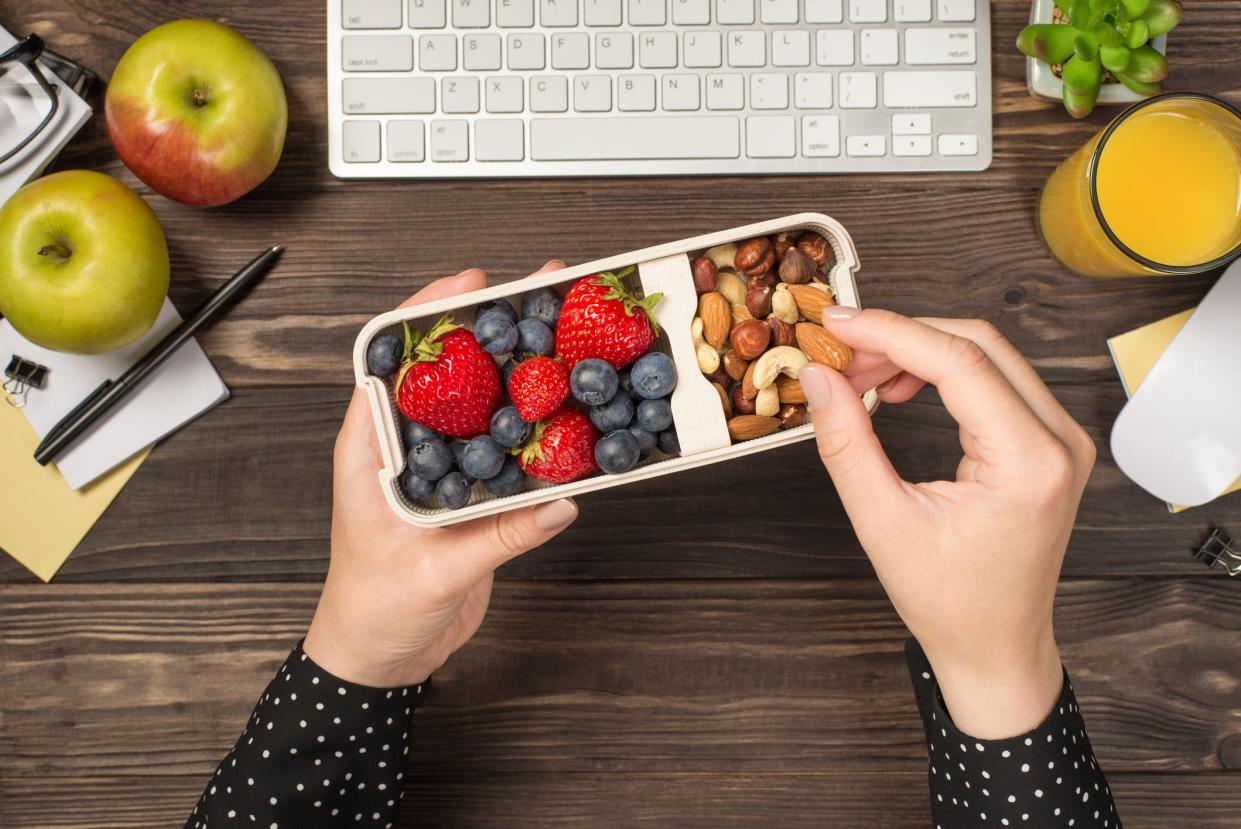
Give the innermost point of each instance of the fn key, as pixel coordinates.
(360, 142)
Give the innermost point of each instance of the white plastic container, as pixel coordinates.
(697, 415)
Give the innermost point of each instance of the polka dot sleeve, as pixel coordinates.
(318, 751)
(1047, 777)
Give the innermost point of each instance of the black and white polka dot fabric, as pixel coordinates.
(317, 751)
(1045, 778)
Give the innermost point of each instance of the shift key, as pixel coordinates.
(923, 90)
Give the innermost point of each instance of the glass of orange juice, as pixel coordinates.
(1156, 192)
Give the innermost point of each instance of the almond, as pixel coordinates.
(790, 390)
(717, 317)
(748, 390)
(725, 400)
(811, 300)
(741, 314)
(822, 346)
(748, 427)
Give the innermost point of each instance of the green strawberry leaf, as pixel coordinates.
(618, 291)
(429, 350)
(532, 449)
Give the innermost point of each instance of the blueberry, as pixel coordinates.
(507, 427)
(534, 338)
(654, 415)
(453, 491)
(493, 306)
(415, 488)
(383, 355)
(482, 458)
(617, 452)
(413, 431)
(626, 383)
(429, 458)
(458, 454)
(542, 304)
(668, 443)
(506, 371)
(646, 440)
(617, 413)
(509, 481)
(495, 333)
(654, 375)
(594, 381)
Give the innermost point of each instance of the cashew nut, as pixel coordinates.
(767, 403)
(784, 306)
(708, 357)
(731, 286)
(783, 359)
(741, 314)
(722, 255)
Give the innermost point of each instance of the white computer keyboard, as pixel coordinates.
(501, 88)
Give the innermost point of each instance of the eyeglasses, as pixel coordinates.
(29, 100)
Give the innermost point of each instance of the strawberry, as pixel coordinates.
(538, 386)
(447, 382)
(600, 318)
(561, 449)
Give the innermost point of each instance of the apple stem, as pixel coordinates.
(59, 251)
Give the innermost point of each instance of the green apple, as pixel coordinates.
(197, 112)
(83, 263)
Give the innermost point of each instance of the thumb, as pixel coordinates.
(848, 446)
(487, 543)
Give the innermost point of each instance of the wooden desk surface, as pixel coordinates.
(729, 662)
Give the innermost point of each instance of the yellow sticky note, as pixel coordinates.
(1136, 353)
(42, 520)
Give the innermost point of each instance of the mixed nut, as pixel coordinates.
(760, 303)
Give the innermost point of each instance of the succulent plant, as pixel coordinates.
(1100, 35)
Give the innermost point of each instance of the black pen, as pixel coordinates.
(101, 400)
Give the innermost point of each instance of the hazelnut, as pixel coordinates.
(750, 338)
(768, 279)
(719, 376)
(705, 274)
(782, 242)
(797, 268)
(816, 247)
(791, 415)
(755, 257)
(735, 366)
(742, 405)
(781, 332)
(758, 300)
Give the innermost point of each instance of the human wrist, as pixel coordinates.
(345, 657)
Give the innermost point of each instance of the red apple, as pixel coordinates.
(197, 112)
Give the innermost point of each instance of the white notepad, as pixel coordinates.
(184, 387)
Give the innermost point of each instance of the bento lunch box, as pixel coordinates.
(698, 417)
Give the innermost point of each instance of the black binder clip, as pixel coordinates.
(20, 377)
(1218, 550)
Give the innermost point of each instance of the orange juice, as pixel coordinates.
(1158, 191)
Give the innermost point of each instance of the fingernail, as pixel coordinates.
(839, 313)
(817, 387)
(555, 515)
(553, 263)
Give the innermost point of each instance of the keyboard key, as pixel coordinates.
(912, 11)
(857, 90)
(635, 93)
(459, 95)
(956, 11)
(734, 12)
(934, 46)
(769, 91)
(747, 49)
(481, 53)
(450, 140)
(388, 96)
(657, 50)
(864, 146)
(558, 13)
(790, 48)
(777, 11)
(393, 53)
(812, 90)
(499, 139)
(525, 51)
(679, 93)
(648, 12)
(592, 93)
(834, 47)
(471, 14)
(958, 144)
(691, 12)
(911, 124)
(868, 11)
(549, 94)
(437, 53)
(926, 89)
(820, 136)
(770, 136)
(504, 93)
(911, 145)
(604, 12)
(514, 14)
(361, 142)
(406, 143)
(614, 50)
(878, 47)
(826, 11)
(725, 91)
(571, 51)
(427, 14)
(371, 14)
(635, 138)
(702, 50)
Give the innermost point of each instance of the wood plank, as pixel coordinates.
(663, 677)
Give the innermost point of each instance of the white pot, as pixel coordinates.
(1043, 83)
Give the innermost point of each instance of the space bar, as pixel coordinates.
(603, 139)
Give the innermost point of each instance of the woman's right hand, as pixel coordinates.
(971, 563)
